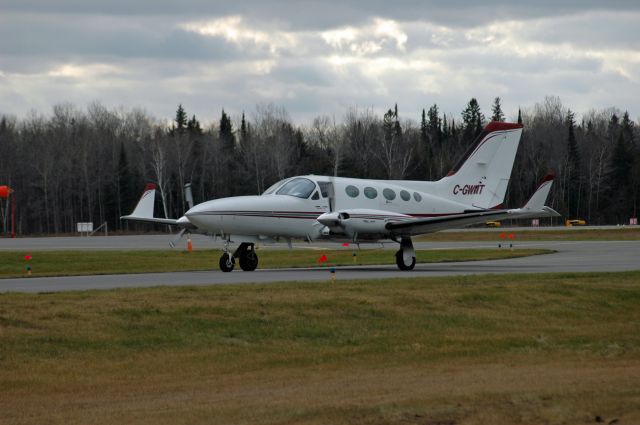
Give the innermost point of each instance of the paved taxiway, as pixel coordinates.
(571, 256)
(161, 241)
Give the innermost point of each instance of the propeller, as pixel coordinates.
(188, 196)
(332, 195)
(174, 241)
(327, 188)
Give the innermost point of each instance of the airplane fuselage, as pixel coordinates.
(294, 211)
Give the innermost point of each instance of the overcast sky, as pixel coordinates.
(318, 57)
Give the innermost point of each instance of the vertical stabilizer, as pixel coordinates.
(481, 177)
(144, 209)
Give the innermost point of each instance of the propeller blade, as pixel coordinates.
(328, 192)
(174, 241)
(188, 196)
(332, 195)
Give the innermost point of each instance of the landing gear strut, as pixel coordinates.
(246, 255)
(406, 255)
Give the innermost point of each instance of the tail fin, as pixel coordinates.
(535, 206)
(539, 197)
(481, 177)
(144, 210)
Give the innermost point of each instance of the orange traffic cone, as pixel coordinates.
(189, 244)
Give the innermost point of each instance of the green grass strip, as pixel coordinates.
(69, 263)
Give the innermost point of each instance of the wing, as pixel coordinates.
(532, 209)
(453, 221)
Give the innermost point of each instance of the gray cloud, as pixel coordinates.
(328, 13)
(317, 58)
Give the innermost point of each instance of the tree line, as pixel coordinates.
(91, 165)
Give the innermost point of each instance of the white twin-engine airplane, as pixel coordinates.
(360, 210)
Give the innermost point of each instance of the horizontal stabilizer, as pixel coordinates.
(167, 221)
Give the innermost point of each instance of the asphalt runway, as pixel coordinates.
(571, 256)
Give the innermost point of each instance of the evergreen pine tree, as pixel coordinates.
(478, 126)
(626, 128)
(472, 119)
(620, 165)
(397, 128)
(434, 125)
(181, 119)
(613, 128)
(243, 130)
(619, 177)
(424, 138)
(388, 124)
(496, 109)
(519, 116)
(193, 127)
(445, 127)
(226, 132)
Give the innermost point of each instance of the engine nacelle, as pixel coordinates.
(360, 223)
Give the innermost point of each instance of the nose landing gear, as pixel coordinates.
(227, 262)
(246, 255)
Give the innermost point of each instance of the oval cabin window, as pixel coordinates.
(352, 191)
(370, 193)
(389, 194)
(406, 196)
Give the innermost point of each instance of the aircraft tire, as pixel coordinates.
(227, 262)
(400, 262)
(249, 261)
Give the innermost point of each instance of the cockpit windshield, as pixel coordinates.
(300, 187)
(273, 187)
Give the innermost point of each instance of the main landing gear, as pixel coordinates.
(246, 255)
(406, 255)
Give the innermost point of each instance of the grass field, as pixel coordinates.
(67, 263)
(526, 349)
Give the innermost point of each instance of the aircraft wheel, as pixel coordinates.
(400, 262)
(227, 262)
(249, 261)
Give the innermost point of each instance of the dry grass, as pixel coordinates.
(557, 349)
